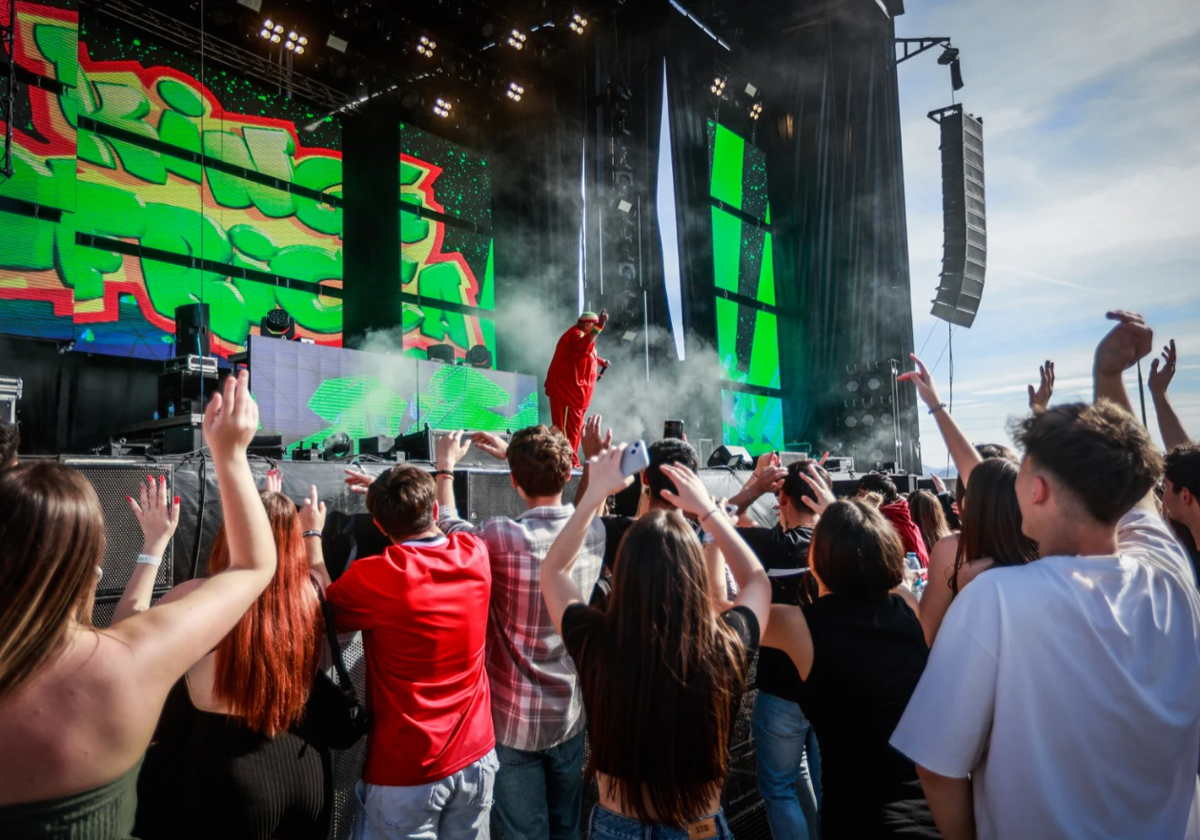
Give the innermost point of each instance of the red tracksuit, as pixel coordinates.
(571, 382)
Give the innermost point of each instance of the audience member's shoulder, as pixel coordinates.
(466, 541)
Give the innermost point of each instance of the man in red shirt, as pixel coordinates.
(896, 510)
(572, 377)
(422, 606)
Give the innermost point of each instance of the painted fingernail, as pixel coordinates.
(129, 499)
(176, 501)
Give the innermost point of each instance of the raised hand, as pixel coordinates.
(1130, 340)
(594, 442)
(312, 512)
(939, 486)
(1039, 399)
(691, 495)
(156, 516)
(493, 445)
(923, 379)
(231, 419)
(451, 448)
(605, 477)
(1162, 371)
(768, 475)
(274, 483)
(603, 318)
(358, 482)
(823, 492)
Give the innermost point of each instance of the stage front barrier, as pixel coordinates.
(308, 392)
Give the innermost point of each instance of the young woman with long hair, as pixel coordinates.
(991, 536)
(78, 706)
(926, 510)
(230, 757)
(859, 652)
(662, 669)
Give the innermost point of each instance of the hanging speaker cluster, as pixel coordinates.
(964, 260)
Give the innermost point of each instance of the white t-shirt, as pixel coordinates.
(1069, 690)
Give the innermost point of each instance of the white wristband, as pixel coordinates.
(149, 560)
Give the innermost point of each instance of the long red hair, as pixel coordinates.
(265, 666)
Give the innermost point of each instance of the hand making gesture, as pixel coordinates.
(823, 491)
(493, 445)
(231, 419)
(1039, 399)
(1162, 371)
(923, 379)
(1130, 340)
(156, 516)
(594, 441)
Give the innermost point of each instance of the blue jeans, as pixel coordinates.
(789, 768)
(453, 808)
(608, 825)
(539, 794)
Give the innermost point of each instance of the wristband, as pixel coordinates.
(312, 533)
(937, 408)
(148, 560)
(440, 473)
(706, 516)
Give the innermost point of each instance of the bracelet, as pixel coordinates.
(312, 533)
(148, 560)
(440, 473)
(937, 408)
(706, 516)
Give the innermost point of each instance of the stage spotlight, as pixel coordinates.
(718, 86)
(756, 111)
(275, 39)
(517, 39)
(279, 29)
(337, 445)
(291, 45)
(299, 50)
(426, 46)
(268, 24)
(442, 108)
(302, 41)
(479, 356)
(578, 24)
(266, 33)
(515, 92)
(851, 422)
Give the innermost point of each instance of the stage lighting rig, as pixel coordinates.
(756, 111)
(517, 39)
(443, 107)
(718, 86)
(578, 24)
(515, 92)
(426, 46)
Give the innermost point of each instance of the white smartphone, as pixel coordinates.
(635, 459)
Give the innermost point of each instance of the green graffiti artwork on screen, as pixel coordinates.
(752, 421)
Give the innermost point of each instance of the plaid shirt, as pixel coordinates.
(536, 701)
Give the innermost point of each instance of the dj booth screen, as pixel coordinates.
(308, 392)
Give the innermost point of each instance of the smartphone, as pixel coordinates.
(673, 429)
(635, 459)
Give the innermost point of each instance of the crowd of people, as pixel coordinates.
(1046, 683)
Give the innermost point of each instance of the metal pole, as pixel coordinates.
(1142, 394)
(8, 36)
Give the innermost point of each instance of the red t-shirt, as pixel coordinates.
(898, 514)
(572, 375)
(423, 610)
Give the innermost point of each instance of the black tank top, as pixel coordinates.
(206, 775)
(868, 655)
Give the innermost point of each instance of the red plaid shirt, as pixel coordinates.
(536, 700)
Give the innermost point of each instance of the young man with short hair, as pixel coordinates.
(537, 705)
(423, 608)
(1060, 700)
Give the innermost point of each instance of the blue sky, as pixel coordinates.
(1091, 114)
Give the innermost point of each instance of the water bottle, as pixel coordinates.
(156, 414)
(171, 413)
(912, 569)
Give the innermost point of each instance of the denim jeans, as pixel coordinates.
(539, 794)
(453, 808)
(608, 825)
(789, 768)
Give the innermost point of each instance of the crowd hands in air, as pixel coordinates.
(1046, 681)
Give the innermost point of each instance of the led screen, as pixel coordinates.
(747, 341)
(738, 173)
(444, 177)
(425, 326)
(743, 261)
(307, 394)
(752, 421)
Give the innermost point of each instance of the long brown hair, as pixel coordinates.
(666, 677)
(265, 666)
(991, 519)
(926, 511)
(51, 540)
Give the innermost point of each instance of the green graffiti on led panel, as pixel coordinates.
(460, 397)
(752, 421)
(747, 342)
(738, 172)
(743, 258)
(360, 406)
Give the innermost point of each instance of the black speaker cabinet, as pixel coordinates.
(191, 330)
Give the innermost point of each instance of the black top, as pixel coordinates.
(206, 775)
(580, 624)
(784, 554)
(868, 655)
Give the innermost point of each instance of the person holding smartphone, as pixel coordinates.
(659, 744)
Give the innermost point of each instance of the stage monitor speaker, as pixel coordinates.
(964, 260)
(114, 481)
(417, 446)
(733, 457)
(191, 330)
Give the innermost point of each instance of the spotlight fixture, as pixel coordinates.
(295, 42)
(275, 39)
(442, 108)
(291, 45)
(266, 33)
(299, 50)
(515, 92)
(578, 24)
(517, 39)
(756, 111)
(718, 86)
(279, 29)
(269, 24)
(426, 46)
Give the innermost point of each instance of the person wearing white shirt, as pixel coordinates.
(1062, 698)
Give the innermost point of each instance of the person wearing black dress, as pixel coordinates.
(859, 651)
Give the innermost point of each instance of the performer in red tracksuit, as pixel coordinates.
(572, 377)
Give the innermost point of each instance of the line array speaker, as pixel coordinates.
(964, 260)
